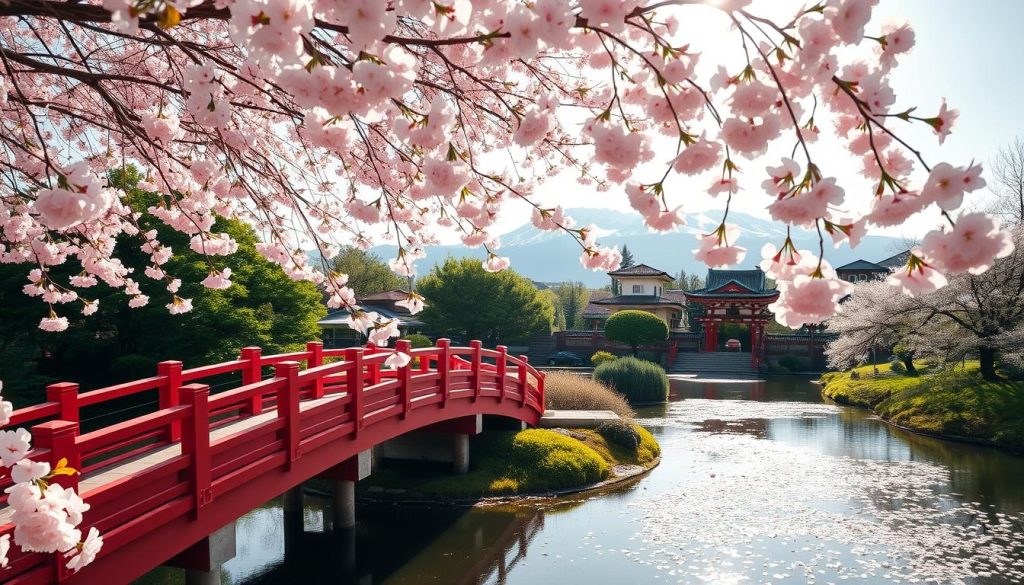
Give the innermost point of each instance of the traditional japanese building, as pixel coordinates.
(337, 333)
(639, 287)
(734, 296)
(863, 270)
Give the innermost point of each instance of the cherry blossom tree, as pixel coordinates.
(332, 122)
(982, 314)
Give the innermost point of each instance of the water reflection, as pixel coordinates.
(760, 482)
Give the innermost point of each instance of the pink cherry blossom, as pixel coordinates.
(942, 123)
(973, 244)
(495, 263)
(397, 360)
(808, 299)
(718, 248)
(917, 278)
(86, 551)
(698, 157)
(14, 445)
(53, 323)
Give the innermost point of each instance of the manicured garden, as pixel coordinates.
(954, 402)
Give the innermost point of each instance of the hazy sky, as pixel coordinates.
(969, 51)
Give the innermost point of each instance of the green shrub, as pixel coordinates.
(417, 341)
(567, 391)
(897, 366)
(648, 449)
(854, 375)
(791, 362)
(546, 460)
(639, 381)
(620, 432)
(635, 328)
(603, 356)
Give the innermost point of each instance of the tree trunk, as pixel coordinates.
(634, 350)
(987, 357)
(908, 361)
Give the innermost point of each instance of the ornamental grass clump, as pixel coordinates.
(638, 380)
(567, 391)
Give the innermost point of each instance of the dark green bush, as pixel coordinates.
(546, 460)
(620, 432)
(897, 367)
(639, 381)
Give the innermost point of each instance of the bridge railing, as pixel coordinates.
(176, 459)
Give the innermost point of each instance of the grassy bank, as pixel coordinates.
(534, 461)
(956, 403)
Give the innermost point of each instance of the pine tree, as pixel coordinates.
(683, 280)
(627, 257)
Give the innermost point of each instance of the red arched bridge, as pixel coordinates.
(159, 483)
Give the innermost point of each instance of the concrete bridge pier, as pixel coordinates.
(344, 476)
(294, 524)
(203, 560)
(444, 442)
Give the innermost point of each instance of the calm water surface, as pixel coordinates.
(759, 483)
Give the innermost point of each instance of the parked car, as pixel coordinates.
(567, 358)
(733, 345)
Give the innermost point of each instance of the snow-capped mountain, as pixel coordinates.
(554, 256)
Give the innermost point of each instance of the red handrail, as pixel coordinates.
(317, 417)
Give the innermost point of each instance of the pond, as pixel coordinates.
(760, 482)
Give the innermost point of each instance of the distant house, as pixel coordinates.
(641, 288)
(337, 333)
(863, 270)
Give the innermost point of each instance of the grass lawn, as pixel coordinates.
(956, 402)
(514, 463)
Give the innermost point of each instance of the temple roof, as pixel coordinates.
(735, 283)
(862, 265)
(897, 261)
(637, 300)
(640, 270)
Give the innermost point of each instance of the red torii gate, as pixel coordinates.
(735, 296)
(201, 461)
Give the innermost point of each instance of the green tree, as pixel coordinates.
(627, 261)
(627, 257)
(635, 328)
(464, 299)
(696, 282)
(367, 273)
(263, 307)
(683, 281)
(571, 298)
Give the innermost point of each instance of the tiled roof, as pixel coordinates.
(639, 270)
(862, 265)
(636, 300)
(388, 295)
(596, 311)
(750, 279)
(336, 318)
(896, 261)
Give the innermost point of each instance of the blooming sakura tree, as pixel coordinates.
(328, 122)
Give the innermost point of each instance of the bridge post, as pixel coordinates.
(169, 397)
(316, 358)
(252, 373)
(475, 367)
(404, 376)
(373, 368)
(66, 395)
(354, 387)
(58, 436)
(444, 364)
(195, 442)
(500, 365)
(288, 406)
(524, 379)
(344, 477)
